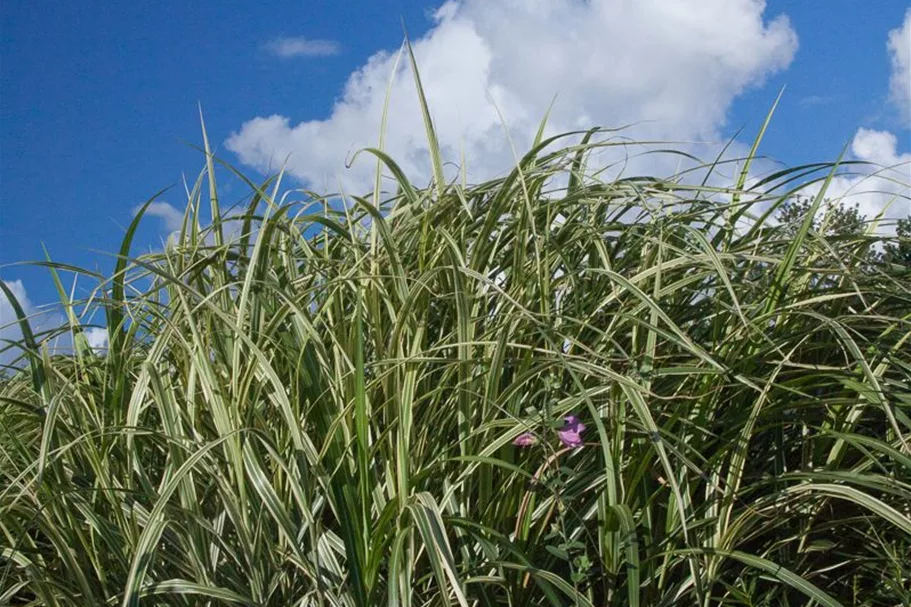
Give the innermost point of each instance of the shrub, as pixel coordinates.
(318, 407)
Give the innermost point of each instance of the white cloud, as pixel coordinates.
(900, 50)
(172, 221)
(879, 147)
(44, 322)
(39, 321)
(9, 326)
(97, 338)
(287, 48)
(169, 215)
(673, 67)
(7, 314)
(885, 187)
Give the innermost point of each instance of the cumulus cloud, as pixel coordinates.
(900, 51)
(671, 67)
(288, 48)
(881, 189)
(10, 333)
(97, 337)
(9, 328)
(44, 322)
(879, 147)
(167, 213)
(884, 189)
(172, 221)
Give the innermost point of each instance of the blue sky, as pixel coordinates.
(96, 104)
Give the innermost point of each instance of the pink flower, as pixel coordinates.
(525, 440)
(570, 434)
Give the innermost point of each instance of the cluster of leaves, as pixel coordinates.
(322, 409)
(845, 226)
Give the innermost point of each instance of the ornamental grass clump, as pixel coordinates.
(313, 401)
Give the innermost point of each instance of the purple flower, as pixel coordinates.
(525, 440)
(570, 434)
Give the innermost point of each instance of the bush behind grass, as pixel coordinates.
(314, 403)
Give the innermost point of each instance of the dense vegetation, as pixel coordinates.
(315, 402)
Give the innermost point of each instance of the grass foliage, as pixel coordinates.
(313, 402)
